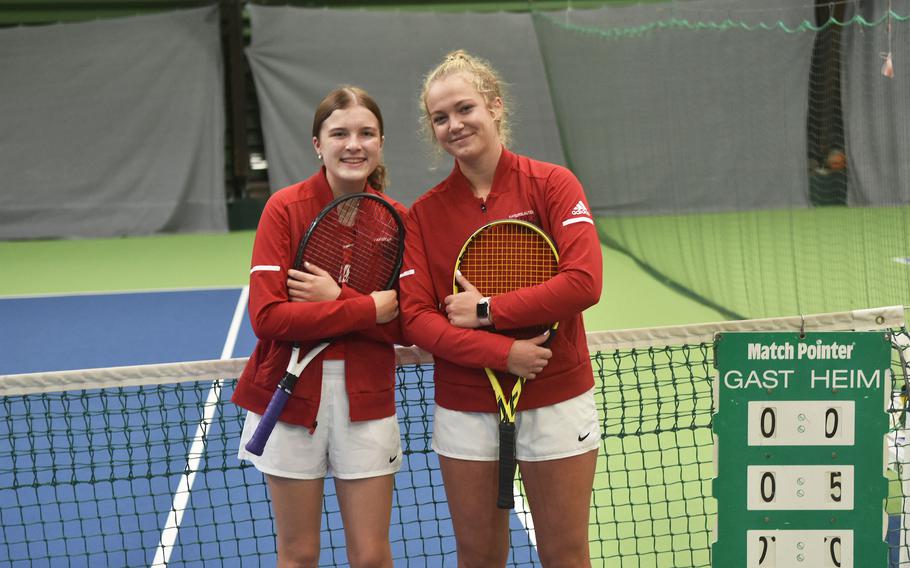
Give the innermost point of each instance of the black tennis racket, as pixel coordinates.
(358, 238)
(500, 257)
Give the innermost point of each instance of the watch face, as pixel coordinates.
(482, 310)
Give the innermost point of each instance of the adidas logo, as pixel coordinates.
(580, 209)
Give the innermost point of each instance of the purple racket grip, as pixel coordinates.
(268, 421)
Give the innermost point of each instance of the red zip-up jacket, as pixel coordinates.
(438, 224)
(367, 348)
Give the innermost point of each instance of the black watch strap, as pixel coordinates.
(483, 311)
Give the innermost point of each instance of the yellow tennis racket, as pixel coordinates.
(500, 257)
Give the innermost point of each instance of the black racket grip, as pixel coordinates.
(257, 442)
(506, 499)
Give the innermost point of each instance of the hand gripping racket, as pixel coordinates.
(358, 238)
(500, 257)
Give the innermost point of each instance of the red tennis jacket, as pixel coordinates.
(367, 348)
(439, 223)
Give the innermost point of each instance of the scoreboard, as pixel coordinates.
(800, 449)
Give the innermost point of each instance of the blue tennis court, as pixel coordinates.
(147, 475)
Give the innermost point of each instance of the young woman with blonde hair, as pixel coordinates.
(466, 111)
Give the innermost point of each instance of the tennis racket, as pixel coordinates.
(358, 238)
(500, 257)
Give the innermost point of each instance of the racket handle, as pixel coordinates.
(506, 499)
(267, 423)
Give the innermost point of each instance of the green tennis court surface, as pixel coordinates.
(770, 263)
(630, 297)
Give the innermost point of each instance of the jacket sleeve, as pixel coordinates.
(578, 283)
(425, 324)
(389, 332)
(272, 316)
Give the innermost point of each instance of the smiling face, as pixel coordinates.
(350, 142)
(463, 122)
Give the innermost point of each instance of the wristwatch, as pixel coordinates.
(483, 312)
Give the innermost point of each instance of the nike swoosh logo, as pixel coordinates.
(582, 438)
(393, 458)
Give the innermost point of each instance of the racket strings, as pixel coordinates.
(358, 243)
(506, 257)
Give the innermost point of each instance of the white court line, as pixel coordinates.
(115, 292)
(182, 495)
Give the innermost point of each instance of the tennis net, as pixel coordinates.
(137, 465)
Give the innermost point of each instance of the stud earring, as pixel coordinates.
(319, 157)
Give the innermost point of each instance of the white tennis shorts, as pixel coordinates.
(561, 430)
(347, 450)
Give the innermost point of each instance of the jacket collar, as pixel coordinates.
(506, 161)
(323, 191)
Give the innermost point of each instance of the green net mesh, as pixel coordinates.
(147, 474)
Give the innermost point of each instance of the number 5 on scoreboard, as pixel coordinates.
(799, 487)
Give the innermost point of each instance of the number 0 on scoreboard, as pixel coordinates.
(802, 423)
(799, 549)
